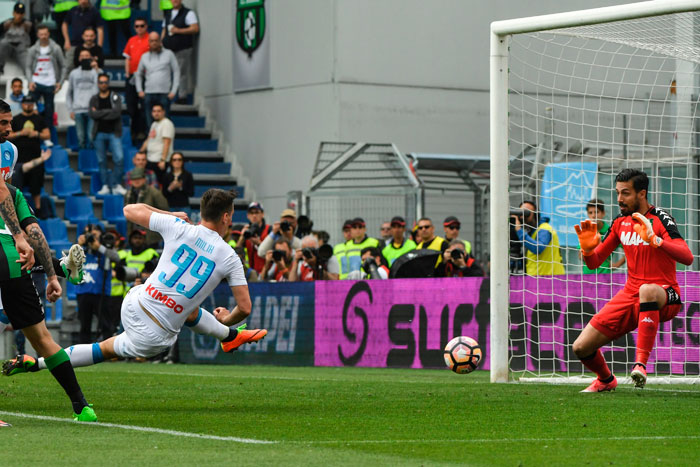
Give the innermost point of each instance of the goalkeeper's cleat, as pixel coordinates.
(19, 364)
(72, 264)
(639, 375)
(244, 336)
(599, 386)
(85, 415)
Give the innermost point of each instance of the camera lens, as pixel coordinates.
(285, 226)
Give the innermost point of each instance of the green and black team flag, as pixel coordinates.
(9, 267)
(250, 24)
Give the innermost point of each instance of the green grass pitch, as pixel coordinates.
(340, 416)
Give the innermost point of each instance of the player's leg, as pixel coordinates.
(201, 321)
(587, 348)
(652, 298)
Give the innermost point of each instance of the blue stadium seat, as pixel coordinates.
(126, 136)
(199, 190)
(209, 167)
(56, 234)
(84, 222)
(239, 217)
(66, 183)
(129, 153)
(95, 184)
(72, 138)
(188, 121)
(79, 208)
(184, 144)
(57, 161)
(87, 161)
(113, 208)
(54, 135)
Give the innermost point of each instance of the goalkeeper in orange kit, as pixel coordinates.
(652, 245)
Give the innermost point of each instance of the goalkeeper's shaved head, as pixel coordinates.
(639, 179)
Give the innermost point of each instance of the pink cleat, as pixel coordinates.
(599, 386)
(639, 375)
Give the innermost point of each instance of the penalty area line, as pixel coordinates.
(183, 434)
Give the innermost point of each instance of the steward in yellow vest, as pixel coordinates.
(358, 242)
(339, 251)
(428, 240)
(112, 10)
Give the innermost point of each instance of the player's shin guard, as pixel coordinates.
(646, 332)
(80, 355)
(596, 363)
(205, 323)
(61, 369)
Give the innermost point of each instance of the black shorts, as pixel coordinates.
(34, 180)
(21, 302)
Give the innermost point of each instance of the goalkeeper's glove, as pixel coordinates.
(588, 236)
(643, 228)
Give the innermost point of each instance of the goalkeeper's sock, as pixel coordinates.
(596, 363)
(206, 323)
(61, 369)
(648, 326)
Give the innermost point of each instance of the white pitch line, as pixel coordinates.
(183, 434)
(497, 440)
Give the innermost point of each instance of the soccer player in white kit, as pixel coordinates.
(195, 260)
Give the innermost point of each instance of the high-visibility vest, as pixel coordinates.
(64, 5)
(115, 9)
(354, 252)
(547, 263)
(118, 287)
(390, 252)
(435, 244)
(138, 261)
(339, 253)
(166, 5)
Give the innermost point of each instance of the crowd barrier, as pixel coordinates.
(407, 322)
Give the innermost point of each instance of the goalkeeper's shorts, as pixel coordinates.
(621, 314)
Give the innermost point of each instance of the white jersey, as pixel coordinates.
(9, 159)
(195, 260)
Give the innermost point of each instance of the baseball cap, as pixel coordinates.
(255, 205)
(358, 221)
(138, 173)
(137, 232)
(19, 7)
(398, 220)
(347, 224)
(450, 221)
(28, 99)
(288, 213)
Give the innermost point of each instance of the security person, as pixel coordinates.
(398, 245)
(451, 225)
(430, 241)
(358, 242)
(116, 14)
(339, 250)
(138, 255)
(60, 10)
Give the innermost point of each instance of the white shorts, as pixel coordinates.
(141, 336)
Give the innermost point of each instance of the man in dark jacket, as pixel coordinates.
(106, 111)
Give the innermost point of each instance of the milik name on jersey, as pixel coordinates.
(164, 299)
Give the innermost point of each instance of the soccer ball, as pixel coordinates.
(462, 355)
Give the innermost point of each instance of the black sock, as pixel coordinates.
(65, 376)
(232, 333)
(608, 379)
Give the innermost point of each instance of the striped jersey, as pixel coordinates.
(194, 261)
(9, 267)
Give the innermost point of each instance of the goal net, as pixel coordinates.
(576, 98)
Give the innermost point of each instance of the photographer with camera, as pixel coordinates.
(277, 262)
(540, 240)
(312, 262)
(253, 234)
(94, 291)
(285, 228)
(374, 266)
(358, 242)
(458, 263)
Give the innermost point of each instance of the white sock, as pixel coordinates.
(207, 324)
(80, 355)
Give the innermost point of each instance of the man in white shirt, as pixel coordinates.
(159, 144)
(46, 71)
(195, 260)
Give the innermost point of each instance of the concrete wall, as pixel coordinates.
(410, 72)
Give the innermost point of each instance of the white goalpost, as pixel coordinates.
(575, 98)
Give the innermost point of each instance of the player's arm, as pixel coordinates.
(140, 213)
(43, 255)
(670, 241)
(241, 310)
(9, 215)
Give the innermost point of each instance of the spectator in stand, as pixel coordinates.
(284, 228)
(159, 144)
(78, 19)
(46, 71)
(141, 192)
(358, 242)
(180, 25)
(307, 265)
(17, 37)
(277, 261)
(339, 250)
(159, 69)
(82, 85)
(91, 46)
(178, 185)
(16, 96)
(139, 161)
(385, 234)
(542, 256)
(428, 239)
(116, 15)
(322, 236)
(135, 48)
(28, 132)
(398, 245)
(106, 111)
(254, 233)
(458, 263)
(60, 10)
(39, 10)
(371, 257)
(451, 226)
